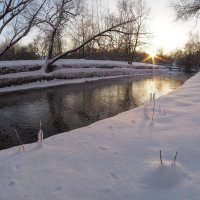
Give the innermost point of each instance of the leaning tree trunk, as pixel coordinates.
(46, 66)
(134, 48)
(49, 62)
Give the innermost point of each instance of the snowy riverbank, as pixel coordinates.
(116, 158)
(23, 75)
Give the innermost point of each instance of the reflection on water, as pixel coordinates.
(73, 106)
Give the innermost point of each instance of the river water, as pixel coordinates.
(69, 107)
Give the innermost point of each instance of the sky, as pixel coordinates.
(167, 33)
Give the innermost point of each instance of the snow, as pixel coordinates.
(23, 75)
(116, 158)
(79, 63)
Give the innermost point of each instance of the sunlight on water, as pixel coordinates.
(68, 107)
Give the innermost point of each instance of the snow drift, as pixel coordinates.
(116, 158)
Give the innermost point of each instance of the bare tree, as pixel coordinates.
(140, 34)
(189, 56)
(9, 9)
(17, 17)
(137, 29)
(113, 28)
(54, 17)
(83, 29)
(89, 23)
(187, 8)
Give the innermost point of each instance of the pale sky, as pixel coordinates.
(167, 33)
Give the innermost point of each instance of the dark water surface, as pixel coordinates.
(68, 107)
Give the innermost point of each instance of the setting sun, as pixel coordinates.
(152, 53)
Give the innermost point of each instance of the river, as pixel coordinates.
(69, 107)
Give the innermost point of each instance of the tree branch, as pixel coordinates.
(110, 29)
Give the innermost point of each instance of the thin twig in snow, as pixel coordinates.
(161, 157)
(154, 104)
(175, 157)
(19, 139)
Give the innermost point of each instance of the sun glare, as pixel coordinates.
(152, 53)
(152, 56)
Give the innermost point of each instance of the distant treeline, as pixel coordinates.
(81, 29)
(30, 52)
(187, 58)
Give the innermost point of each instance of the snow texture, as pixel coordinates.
(22, 75)
(116, 158)
(71, 63)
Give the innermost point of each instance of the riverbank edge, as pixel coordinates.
(70, 71)
(115, 157)
(56, 83)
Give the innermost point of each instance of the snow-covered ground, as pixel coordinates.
(20, 75)
(17, 66)
(116, 158)
(71, 63)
